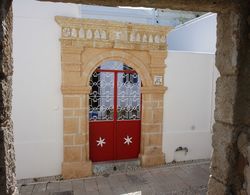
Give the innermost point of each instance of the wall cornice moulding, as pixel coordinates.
(90, 32)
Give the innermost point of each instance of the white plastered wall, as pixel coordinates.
(189, 105)
(197, 35)
(37, 100)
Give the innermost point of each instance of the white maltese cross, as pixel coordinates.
(128, 140)
(101, 142)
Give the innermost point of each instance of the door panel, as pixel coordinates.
(101, 141)
(114, 113)
(128, 139)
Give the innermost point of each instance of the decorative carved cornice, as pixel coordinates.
(111, 34)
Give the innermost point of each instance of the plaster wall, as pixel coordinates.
(121, 15)
(137, 15)
(37, 99)
(198, 35)
(189, 105)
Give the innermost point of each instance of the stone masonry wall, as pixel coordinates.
(7, 154)
(231, 130)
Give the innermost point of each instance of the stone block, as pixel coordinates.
(68, 113)
(71, 67)
(160, 104)
(152, 150)
(158, 115)
(147, 115)
(72, 78)
(71, 102)
(150, 104)
(70, 125)
(68, 140)
(227, 53)
(81, 112)
(243, 142)
(71, 170)
(71, 58)
(158, 58)
(146, 97)
(224, 142)
(84, 153)
(243, 95)
(142, 55)
(85, 101)
(84, 124)
(152, 160)
(72, 153)
(226, 91)
(6, 60)
(155, 139)
(247, 173)
(151, 128)
(158, 96)
(216, 188)
(5, 96)
(80, 139)
(145, 140)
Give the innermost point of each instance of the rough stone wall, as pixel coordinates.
(231, 131)
(7, 154)
(242, 111)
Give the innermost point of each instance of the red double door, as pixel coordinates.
(114, 114)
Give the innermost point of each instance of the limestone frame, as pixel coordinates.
(85, 45)
(127, 58)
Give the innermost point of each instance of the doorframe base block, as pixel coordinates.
(72, 170)
(148, 160)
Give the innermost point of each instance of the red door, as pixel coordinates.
(114, 113)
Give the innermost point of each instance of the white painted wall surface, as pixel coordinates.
(189, 105)
(37, 99)
(137, 15)
(145, 16)
(195, 36)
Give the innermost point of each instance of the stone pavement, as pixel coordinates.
(188, 179)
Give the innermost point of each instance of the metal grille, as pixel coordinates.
(129, 98)
(115, 93)
(101, 101)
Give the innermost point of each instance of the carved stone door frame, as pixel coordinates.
(85, 45)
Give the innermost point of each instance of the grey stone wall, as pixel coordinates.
(7, 154)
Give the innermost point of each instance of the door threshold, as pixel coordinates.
(108, 167)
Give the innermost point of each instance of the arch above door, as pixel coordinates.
(85, 45)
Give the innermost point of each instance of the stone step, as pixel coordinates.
(109, 167)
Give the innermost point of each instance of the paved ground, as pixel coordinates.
(188, 179)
